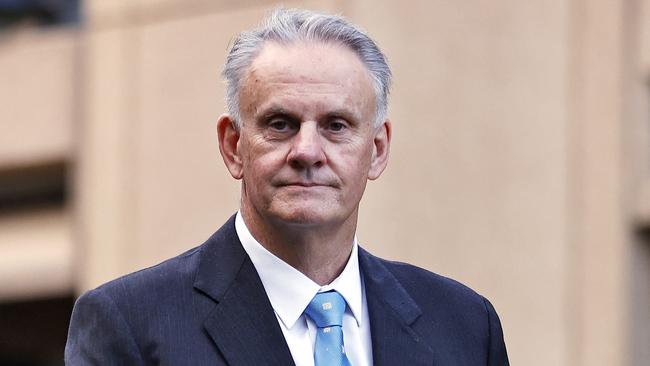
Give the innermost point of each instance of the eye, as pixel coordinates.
(280, 125)
(337, 126)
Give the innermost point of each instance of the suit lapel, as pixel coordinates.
(242, 324)
(244, 327)
(392, 312)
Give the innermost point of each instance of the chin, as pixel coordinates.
(304, 216)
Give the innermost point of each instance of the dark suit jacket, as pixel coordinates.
(208, 307)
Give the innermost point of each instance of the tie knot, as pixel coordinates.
(326, 309)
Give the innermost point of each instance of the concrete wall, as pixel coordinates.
(38, 105)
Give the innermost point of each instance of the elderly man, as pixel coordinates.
(283, 281)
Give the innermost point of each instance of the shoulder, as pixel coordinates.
(106, 322)
(422, 285)
(439, 300)
(164, 288)
(141, 302)
(453, 318)
(176, 276)
(156, 281)
(420, 282)
(160, 305)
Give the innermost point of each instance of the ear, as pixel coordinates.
(381, 148)
(228, 135)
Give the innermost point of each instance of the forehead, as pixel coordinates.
(326, 75)
(309, 60)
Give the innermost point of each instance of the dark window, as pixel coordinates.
(34, 331)
(39, 12)
(32, 186)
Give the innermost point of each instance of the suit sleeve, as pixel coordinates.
(99, 334)
(497, 354)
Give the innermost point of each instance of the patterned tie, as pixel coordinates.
(326, 310)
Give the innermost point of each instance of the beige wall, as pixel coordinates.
(37, 73)
(511, 166)
(38, 106)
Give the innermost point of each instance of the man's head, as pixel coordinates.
(287, 26)
(304, 137)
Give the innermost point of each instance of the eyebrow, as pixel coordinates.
(276, 110)
(344, 113)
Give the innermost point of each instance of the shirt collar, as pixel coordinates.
(288, 289)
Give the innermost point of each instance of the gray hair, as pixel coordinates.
(286, 26)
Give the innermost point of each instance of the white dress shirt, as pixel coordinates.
(290, 291)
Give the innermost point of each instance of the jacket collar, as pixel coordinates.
(227, 275)
(242, 324)
(392, 313)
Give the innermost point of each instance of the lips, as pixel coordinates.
(305, 184)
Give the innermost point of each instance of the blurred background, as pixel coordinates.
(520, 162)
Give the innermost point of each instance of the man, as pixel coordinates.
(283, 281)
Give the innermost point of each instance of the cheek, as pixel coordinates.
(356, 164)
(260, 167)
(260, 154)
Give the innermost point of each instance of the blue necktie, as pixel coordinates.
(326, 310)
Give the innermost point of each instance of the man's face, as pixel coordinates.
(307, 144)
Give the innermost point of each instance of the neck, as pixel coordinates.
(320, 252)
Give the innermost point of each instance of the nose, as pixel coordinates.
(306, 147)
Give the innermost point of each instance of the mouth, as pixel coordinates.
(304, 184)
